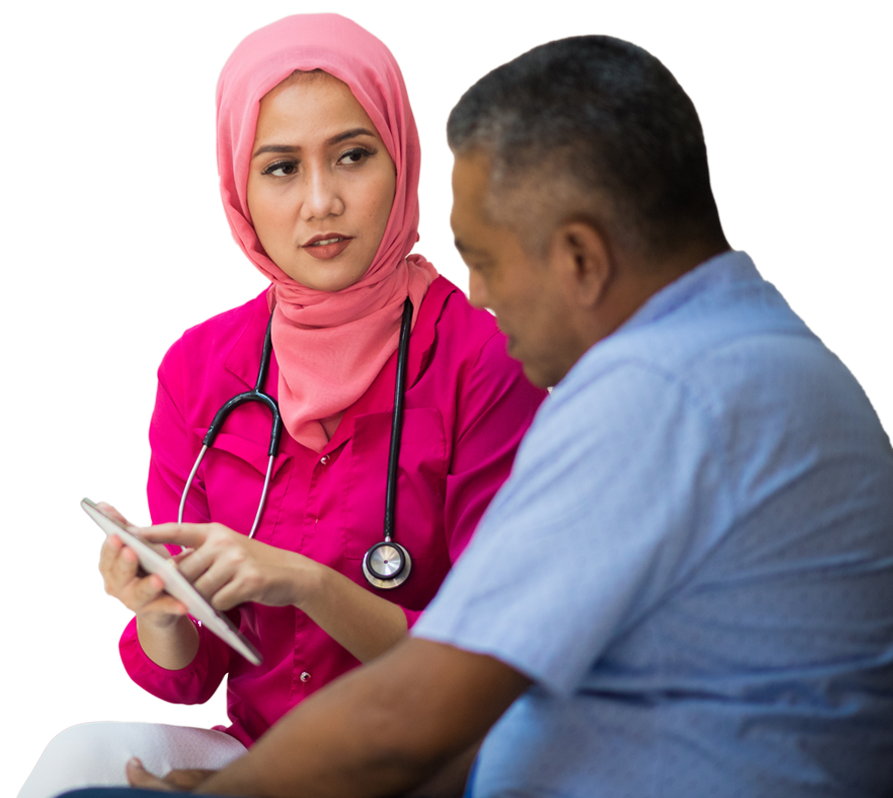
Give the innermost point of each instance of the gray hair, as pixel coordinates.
(596, 128)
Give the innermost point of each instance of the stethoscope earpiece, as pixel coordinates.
(387, 565)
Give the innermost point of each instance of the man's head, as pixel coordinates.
(591, 154)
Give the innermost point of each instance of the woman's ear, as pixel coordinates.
(582, 260)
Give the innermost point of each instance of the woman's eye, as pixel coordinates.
(356, 155)
(281, 169)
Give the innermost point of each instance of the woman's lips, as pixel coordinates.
(324, 251)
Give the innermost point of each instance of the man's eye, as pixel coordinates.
(281, 169)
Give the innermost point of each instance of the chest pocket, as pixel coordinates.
(233, 474)
(421, 477)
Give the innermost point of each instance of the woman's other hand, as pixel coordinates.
(228, 568)
(166, 633)
(140, 593)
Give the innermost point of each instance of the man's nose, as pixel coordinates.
(477, 290)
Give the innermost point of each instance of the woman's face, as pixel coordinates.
(321, 182)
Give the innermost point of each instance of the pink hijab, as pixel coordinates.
(330, 346)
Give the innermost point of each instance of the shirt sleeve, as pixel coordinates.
(595, 526)
(194, 684)
(173, 451)
(174, 448)
(496, 405)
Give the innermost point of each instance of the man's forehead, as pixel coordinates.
(472, 195)
(471, 173)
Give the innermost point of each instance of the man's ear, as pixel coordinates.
(582, 260)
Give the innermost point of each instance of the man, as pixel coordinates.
(686, 587)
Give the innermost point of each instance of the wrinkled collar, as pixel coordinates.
(723, 269)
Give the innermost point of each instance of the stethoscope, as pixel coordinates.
(387, 564)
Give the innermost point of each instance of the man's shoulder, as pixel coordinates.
(728, 360)
(715, 327)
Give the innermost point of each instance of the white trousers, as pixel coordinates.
(94, 755)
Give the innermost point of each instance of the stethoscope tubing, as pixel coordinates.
(390, 499)
(380, 555)
(254, 395)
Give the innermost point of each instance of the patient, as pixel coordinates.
(685, 588)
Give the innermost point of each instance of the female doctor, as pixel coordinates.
(319, 165)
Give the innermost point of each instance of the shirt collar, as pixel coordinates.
(723, 269)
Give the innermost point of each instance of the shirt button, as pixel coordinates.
(324, 460)
(305, 677)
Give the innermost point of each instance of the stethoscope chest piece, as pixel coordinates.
(387, 565)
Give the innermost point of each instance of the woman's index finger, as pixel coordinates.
(188, 535)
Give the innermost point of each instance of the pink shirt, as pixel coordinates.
(467, 407)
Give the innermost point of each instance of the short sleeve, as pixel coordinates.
(595, 525)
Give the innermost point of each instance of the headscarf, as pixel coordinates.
(330, 346)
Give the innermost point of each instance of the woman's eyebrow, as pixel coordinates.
(287, 148)
(349, 134)
(282, 148)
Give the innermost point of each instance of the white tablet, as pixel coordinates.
(175, 583)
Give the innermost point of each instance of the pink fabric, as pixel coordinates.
(330, 345)
(467, 407)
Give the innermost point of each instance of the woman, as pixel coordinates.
(319, 163)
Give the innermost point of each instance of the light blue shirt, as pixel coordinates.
(693, 561)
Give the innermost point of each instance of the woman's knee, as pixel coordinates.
(86, 742)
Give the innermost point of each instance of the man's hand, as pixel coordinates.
(175, 781)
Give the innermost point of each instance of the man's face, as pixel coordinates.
(522, 292)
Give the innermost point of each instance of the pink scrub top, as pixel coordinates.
(467, 407)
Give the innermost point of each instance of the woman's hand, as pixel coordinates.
(229, 569)
(175, 781)
(144, 595)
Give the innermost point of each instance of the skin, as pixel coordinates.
(554, 306)
(318, 167)
(389, 726)
(380, 730)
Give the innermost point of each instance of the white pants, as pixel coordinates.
(94, 755)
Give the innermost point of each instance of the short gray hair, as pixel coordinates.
(593, 121)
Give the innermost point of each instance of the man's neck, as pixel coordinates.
(637, 280)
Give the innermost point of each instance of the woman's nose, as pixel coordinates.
(322, 198)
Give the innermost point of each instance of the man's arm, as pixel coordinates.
(451, 780)
(379, 730)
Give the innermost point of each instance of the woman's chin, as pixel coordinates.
(329, 278)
